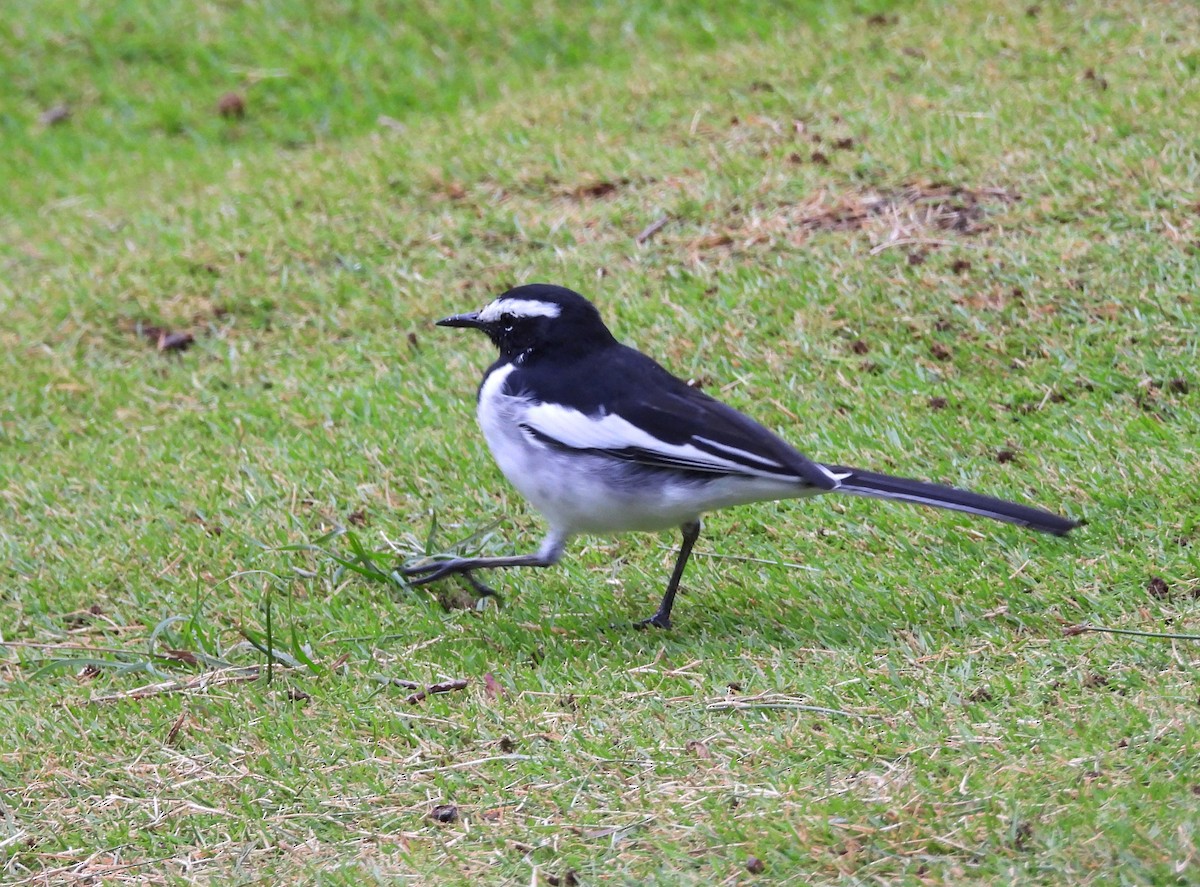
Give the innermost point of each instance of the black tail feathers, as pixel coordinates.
(883, 486)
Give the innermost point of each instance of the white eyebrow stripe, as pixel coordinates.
(518, 308)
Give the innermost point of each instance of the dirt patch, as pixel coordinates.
(911, 209)
(173, 339)
(920, 214)
(595, 189)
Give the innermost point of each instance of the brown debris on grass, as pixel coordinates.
(443, 687)
(168, 340)
(1157, 587)
(492, 687)
(650, 230)
(169, 337)
(231, 106)
(909, 210)
(921, 215)
(596, 189)
(199, 683)
(55, 115)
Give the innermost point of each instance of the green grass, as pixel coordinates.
(881, 694)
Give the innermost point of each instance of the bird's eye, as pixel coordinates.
(508, 320)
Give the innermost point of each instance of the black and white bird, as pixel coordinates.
(601, 439)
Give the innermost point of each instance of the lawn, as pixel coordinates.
(955, 241)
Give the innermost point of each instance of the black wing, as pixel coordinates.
(628, 407)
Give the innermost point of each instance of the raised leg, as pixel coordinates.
(431, 571)
(662, 619)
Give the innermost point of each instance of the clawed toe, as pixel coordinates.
(655, 621)
(432, 571)
(479, 587)
(427, 572)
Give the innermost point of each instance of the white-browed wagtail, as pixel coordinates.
(601, 439)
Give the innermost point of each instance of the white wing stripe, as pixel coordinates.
(610, 432)
(739, 453)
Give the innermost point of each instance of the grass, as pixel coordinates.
(957, 242)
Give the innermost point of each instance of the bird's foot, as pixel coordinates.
(480, 588)
(432, 571)
(423, 574)
(658, 620)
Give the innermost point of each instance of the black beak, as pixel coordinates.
(469, 320)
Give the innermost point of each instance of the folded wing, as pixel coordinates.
(675, 427)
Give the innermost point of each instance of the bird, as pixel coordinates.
(601, 439)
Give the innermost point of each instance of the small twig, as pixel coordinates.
(653, 228)
(208, 679)
(15, 838)
(84, 870)
(1072, 630)
(443, 687)
(775, 701)
(782, 706)
(396, 682)
(915, 241)
(462, 765)
(31, 645)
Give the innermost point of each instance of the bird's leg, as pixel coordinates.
(431, 571)
(662, 618)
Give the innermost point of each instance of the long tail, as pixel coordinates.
(901, 489)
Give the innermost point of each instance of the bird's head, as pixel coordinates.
(537, 319)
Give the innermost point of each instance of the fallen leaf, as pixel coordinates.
(185, 656)
(433, 689)
(492, 687)
(1091, 76)
(712, 241)
(175, 728)
(231, 106)
(595, 189)
(168, 340)
(54, 116)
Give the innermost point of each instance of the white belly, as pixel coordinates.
(581, 493)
